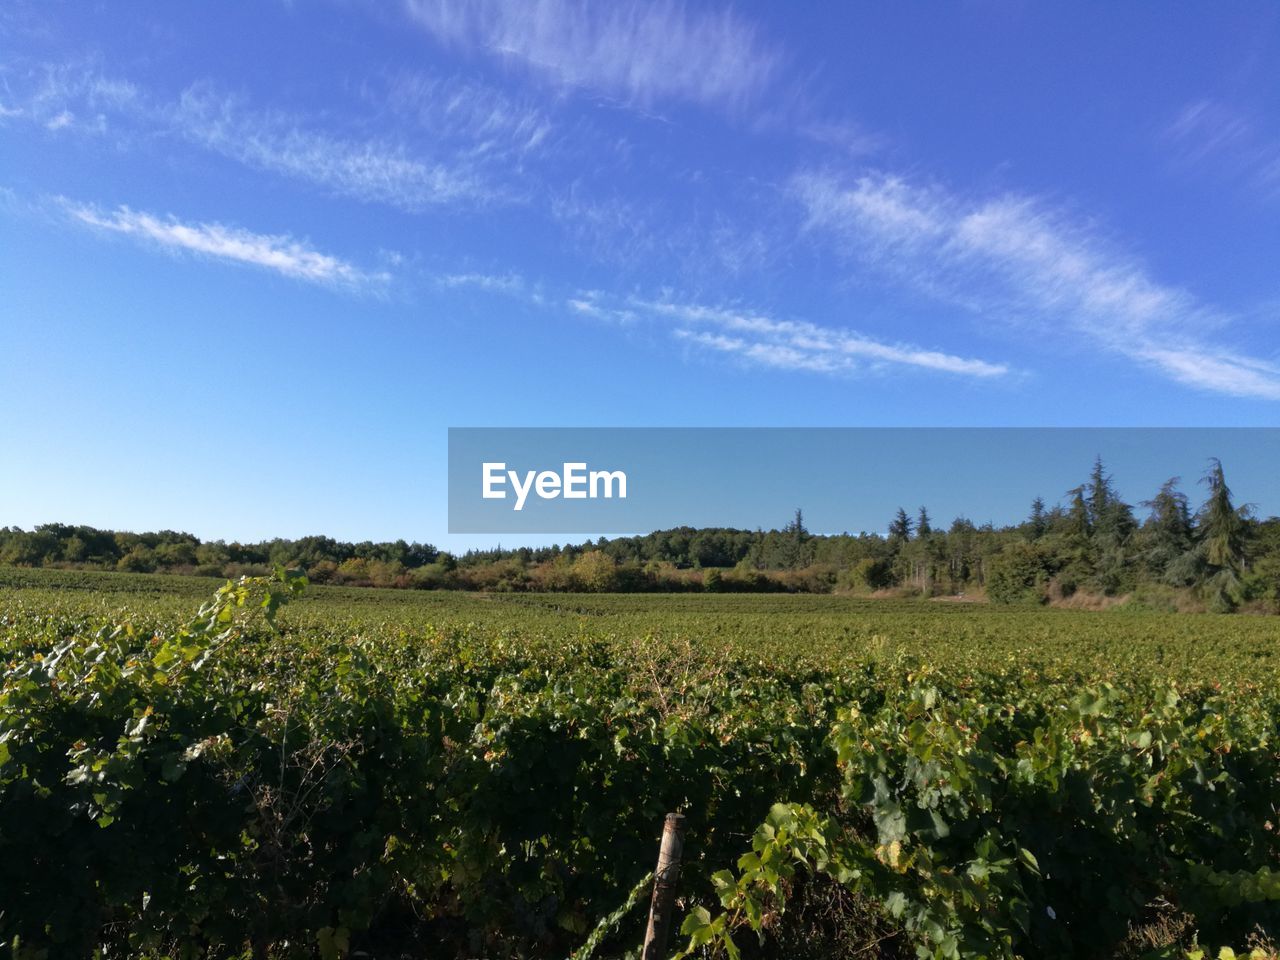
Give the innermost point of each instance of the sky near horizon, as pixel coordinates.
(258, 257)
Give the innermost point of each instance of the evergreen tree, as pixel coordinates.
(1168, 545)
(1110, 518)
(1100, 492)
(961, 552)
(923, 527)
(1037, 523)
(900, 527)
(1098, 529)
(1079, 526)
(1075, 546)
(925, 555)
(1222, 529)
(796, 526)
(795, 548)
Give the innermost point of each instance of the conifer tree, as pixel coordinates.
(1037, 522)
(1222, 528)
(1168, 538)
(900, 527)
(923, 526)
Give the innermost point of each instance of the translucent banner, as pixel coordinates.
(635, 480)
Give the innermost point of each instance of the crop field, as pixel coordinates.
(279, 772)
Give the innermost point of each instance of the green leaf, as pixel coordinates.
(1029, 860)
(698, 918)
(332, 943)
(173, 768)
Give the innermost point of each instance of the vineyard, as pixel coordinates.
(329, 772)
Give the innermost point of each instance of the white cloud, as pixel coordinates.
(641, 51)
(1210, 132)
(281, 254)
(762, 354)
(510, 283)
(363, 168)
(1218, 371)
(588, 304)
(607, 225)
(784, 344)
(470, 142)
(504, 284)
(479, 120)
(818, 347)
(850, 138)
(1206, 126)
(58, 96)
(1012, 257)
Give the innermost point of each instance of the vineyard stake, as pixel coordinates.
(664, 888)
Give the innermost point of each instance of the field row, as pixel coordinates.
(474, 777)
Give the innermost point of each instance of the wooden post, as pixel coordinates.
(664, 888)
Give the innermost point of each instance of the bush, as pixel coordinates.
(224, 789)
(1019, 574)
(872, 574)
(138, 560)
(994, 825)
(595, 572)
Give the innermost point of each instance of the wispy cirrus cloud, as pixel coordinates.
(73, 96)
(590, 303)
(476, 119)
(612, 225)
(644, 52)
(757, 353)
(782, 344)
(465, 145)
(846, 136)
(804, 345)
(364, 168)
(1208, 131)
(507, 284)
(1014, 258)
(278, 253)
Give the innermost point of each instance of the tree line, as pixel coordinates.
(1092, 544)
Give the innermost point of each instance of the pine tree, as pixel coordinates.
(1222, 529)
(1101, 492)
(1079, 527)
(797, 539)
(1168, 543)
(923, 526)
(1110, 517)
(796, 526)
(1038, 522)
(900, 527)
(1077, 550)
(1111, 526)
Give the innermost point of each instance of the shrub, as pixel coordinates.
(871, 574)
(595, 572)
(1019, 574)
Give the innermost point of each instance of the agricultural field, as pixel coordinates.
(276, 772)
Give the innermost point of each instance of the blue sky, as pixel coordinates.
(258, 257)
